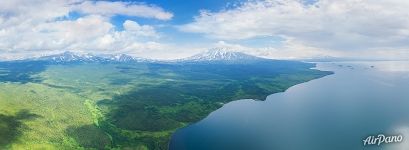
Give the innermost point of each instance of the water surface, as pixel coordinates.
(334, 112)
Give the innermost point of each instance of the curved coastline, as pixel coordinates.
(330, 72)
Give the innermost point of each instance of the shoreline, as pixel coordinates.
(256, 100)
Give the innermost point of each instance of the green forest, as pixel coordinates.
(126, 105)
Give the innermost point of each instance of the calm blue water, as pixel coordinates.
(335, 112)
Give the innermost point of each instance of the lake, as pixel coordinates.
(336, 112)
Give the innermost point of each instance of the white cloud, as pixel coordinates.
(289, 50)
(36, 27)
(348, 28)
(143, 30)
(106, 8)
(327, 24)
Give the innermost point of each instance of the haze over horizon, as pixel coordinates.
(279, 29)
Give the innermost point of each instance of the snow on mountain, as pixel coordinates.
(66, 56)
(212, 55)
(220, 54)
(74, 57)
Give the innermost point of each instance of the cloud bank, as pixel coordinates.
(36, 26)
(361, 29)
(347, 26)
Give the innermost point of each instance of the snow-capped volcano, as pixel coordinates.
(74, 57)
(221, 54)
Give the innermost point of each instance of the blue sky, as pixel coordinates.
(170, 29)
(184, 12)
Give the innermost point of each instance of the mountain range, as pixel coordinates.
(74, 57)
(212, 55)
